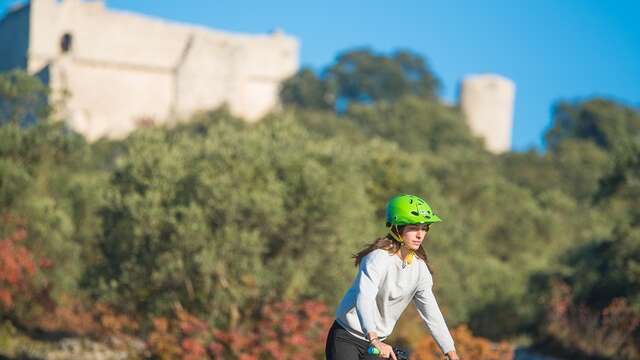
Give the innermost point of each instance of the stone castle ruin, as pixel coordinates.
(117, 71)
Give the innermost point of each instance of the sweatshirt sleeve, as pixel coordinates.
(430, 313)
(372, 269)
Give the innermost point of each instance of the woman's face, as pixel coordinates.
(413, 235)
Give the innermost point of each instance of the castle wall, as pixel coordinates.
(110, 100)
(121, 67)
(112, 37)
(487, 102)
(268, 62)
(14, 39)
(244, 73)
(204, 81)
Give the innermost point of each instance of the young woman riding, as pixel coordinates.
(393, 271)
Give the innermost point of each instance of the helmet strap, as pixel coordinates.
(410, 253)
(395, 234)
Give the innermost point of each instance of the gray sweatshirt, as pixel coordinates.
(380, 293)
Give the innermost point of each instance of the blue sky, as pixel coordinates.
(553, 50)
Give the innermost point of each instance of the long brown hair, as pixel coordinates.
(391, 245)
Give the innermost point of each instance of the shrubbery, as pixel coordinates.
(215, 221)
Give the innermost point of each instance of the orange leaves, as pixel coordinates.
(620, 315)
(283, 330)
(161, 342)
(112, 323)
(20, 291)
(467, 347)
(297, 330)
(471, 347)
(17, 267)
(611, 331)
(72, 318)
(193, 349)
(16, 261)
(190, 324)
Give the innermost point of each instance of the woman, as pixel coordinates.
(393, 271)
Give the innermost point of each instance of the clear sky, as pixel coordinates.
(553, 50)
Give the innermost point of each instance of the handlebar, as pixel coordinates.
(400, 354)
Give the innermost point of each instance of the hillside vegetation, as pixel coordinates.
(222, 239)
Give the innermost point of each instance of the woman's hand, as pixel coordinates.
(386, 351)
(451, 355)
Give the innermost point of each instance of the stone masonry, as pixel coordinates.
(487, 103)
(118, 70)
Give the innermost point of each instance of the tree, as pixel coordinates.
(364, 76)
(361, 76)
(306, 90)
(242, 215)
(415, 124)
(598, 280)
(610, 125)
(23, 98)
(48, 177)
(610, 268)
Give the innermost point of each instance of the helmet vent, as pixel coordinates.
(415, 213)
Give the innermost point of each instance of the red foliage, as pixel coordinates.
(18, 266)
(609, 332)
(72, 318)
(284, 330)
(18, 269)
(467, 347)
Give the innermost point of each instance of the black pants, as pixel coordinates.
(343, 346)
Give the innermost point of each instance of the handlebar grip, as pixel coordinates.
(373, 350)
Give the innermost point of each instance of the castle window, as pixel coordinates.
(66, 43)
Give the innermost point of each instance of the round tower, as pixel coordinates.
(487, 102)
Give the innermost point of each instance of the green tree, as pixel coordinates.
(239, 216)
(610, 125)
(23, 98)
(362, 75)
(415, 124)
(306, 90)
(610, 268)
(47, 180)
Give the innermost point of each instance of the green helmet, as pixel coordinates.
(409, 209)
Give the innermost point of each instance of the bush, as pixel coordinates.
(467, 347)
(281, 330)
(612, 332)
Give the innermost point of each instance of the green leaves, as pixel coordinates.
(240, 214)
(361, 76)
(364, 76)
(612, 126)
(23, 98)
(221, 216)
(308, 91)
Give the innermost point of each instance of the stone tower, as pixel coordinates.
(487, 102)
